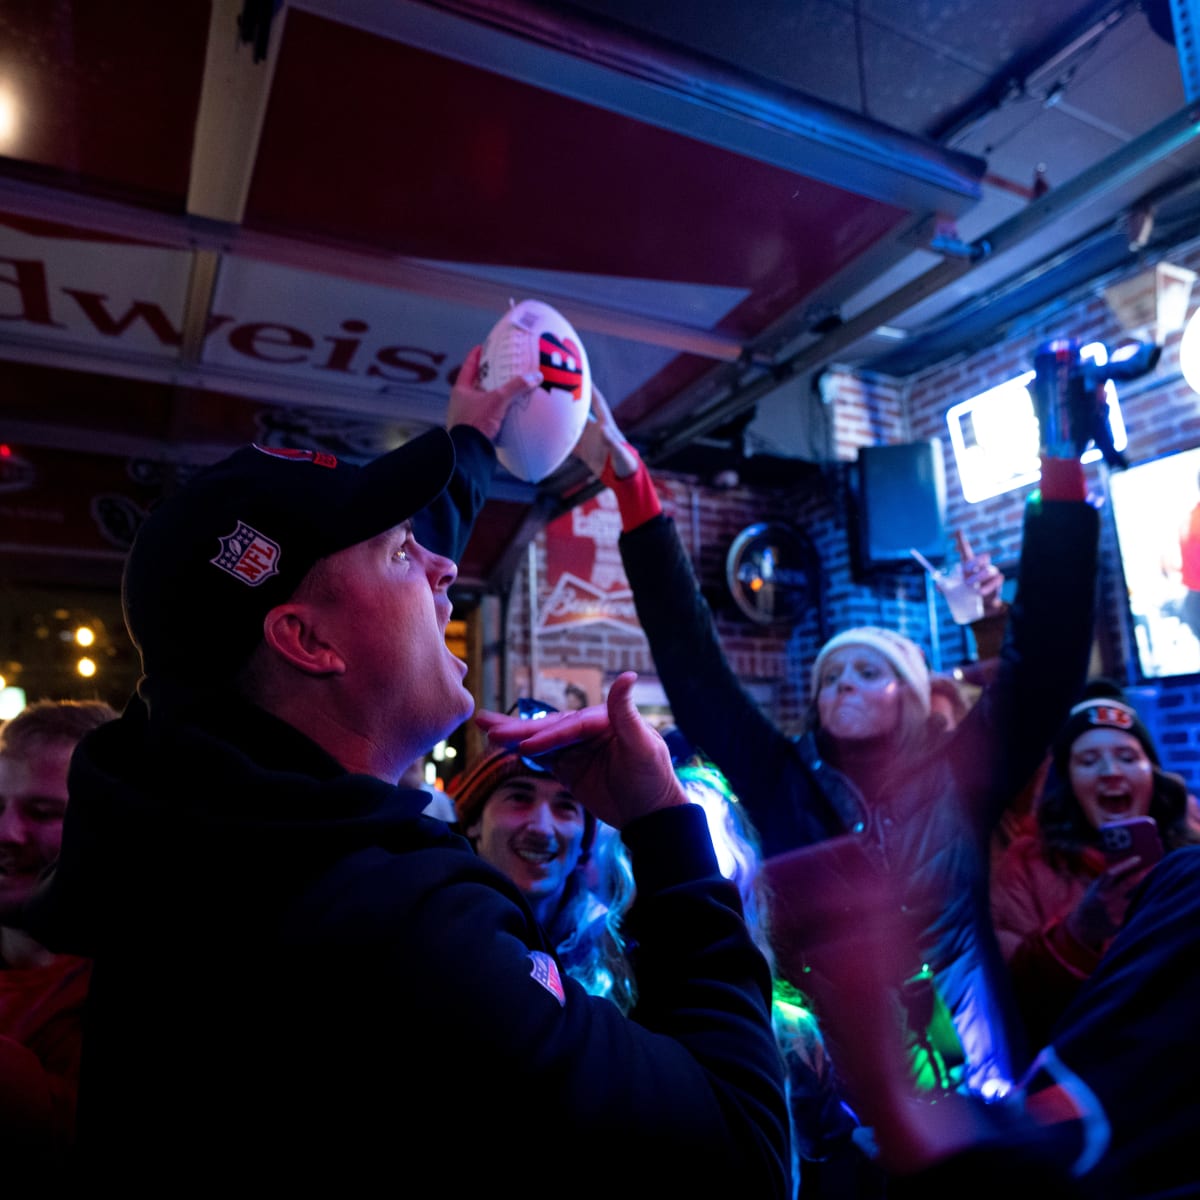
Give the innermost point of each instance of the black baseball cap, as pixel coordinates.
(211, 560)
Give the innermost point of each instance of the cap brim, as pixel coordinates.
(396, 486)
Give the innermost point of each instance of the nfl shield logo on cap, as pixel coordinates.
(248, 555)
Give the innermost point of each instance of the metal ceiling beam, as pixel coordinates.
(233, 102)
(85, 213)
(234, 93)
(654, 82)
(1016, 78)
(1112, 172)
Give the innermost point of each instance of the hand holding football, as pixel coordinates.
(543, 425)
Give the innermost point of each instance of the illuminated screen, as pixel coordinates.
(994, 434)
(1156, 508)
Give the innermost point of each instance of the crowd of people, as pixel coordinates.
(238, 941)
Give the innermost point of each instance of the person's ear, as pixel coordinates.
(292, 631)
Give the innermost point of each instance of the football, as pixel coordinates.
(544, 424)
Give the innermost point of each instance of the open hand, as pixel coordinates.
(602, 438)
(611, 759)
(979, 572)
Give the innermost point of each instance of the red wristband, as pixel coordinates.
(637, 499)
(1062, 479)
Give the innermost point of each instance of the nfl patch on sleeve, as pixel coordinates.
(545, 971)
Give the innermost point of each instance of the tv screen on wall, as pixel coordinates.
(1156, 509)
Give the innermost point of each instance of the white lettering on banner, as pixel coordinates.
(89, 317)
(574, 601)
(268, 319)
(82, 310)
(608, 571)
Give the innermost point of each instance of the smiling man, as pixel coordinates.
(529, 826)
(41, 993)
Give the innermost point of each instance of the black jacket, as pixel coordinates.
(300, 980)
(297, 975)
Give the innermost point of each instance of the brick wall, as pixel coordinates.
(1162, 415)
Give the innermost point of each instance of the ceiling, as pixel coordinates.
(288, 222)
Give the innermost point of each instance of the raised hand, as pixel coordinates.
(979, 572)
(601, 437)
(611, 759)
(472, 405)
(1070, 402)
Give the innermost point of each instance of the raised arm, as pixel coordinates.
(474, 417)
(1051, 623)
(707, 700)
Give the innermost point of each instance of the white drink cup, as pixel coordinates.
(964, 600)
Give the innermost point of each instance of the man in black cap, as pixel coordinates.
(300, 979)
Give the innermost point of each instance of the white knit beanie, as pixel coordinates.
(906, 657)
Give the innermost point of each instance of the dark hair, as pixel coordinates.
(46, 721)
(1064, 825)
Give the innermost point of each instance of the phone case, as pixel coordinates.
(1137, 835)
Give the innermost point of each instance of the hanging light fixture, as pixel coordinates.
(1153, 303)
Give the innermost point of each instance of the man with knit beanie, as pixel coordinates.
(920, 800)
(505, 772)
(527, 825)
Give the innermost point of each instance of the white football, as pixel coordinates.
(543, 425)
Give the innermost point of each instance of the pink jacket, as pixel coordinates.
(1032, 895)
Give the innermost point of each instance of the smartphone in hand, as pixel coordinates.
(1134, 835)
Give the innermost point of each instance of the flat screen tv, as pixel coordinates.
(1156, 509)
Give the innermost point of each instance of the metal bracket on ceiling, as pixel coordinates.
(955, 247)
(938, 234)
(254, 25)
(1185, 16)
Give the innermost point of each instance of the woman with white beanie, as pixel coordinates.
(920, 800)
